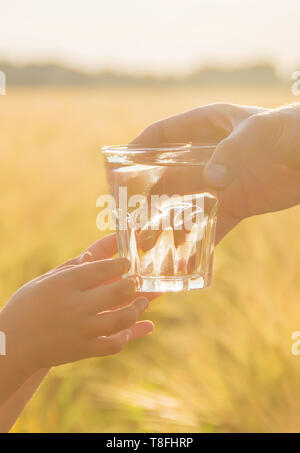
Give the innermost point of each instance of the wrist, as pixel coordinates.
(16, 353)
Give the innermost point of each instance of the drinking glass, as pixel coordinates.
(164, 213)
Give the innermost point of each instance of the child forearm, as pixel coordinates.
(11, 409)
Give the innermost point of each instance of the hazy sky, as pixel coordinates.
(151, 35)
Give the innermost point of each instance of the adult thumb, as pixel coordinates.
(231, 154)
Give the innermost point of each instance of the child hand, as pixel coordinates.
(80, 309)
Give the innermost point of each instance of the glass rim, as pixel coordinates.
(160, 148)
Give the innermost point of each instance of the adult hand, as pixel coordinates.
(256, 162)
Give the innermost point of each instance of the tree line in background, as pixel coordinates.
(56, 74)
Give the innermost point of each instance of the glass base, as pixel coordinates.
(171, 284)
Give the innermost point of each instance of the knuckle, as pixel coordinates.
(213, 109)
(261, 120)
(220, 106)
(254, 121)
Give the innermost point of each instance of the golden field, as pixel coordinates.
(220, 359)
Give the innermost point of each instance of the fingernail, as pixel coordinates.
(128, 335)
(134, 280)
(217, 174)
(81, 258)
(85, 256)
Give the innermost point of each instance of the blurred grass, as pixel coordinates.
(220, 359)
